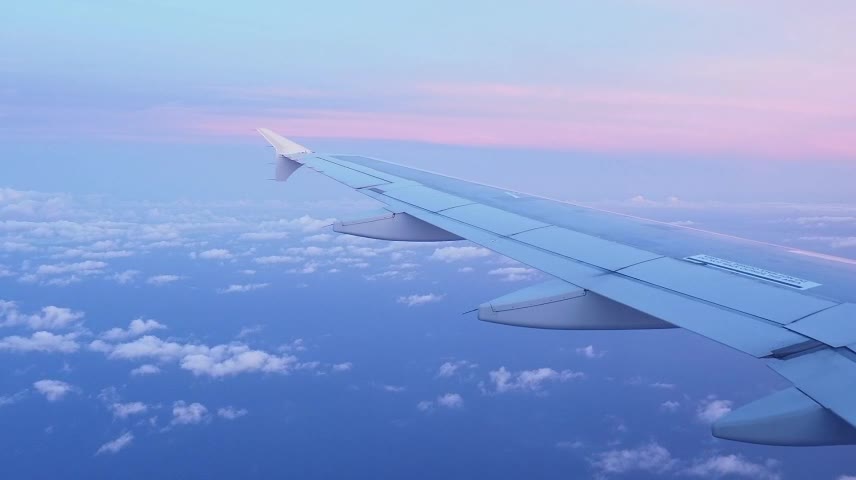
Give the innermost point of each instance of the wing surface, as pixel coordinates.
(790, 307)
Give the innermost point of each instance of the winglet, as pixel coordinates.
(283, 146)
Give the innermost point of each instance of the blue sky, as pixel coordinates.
(167, 311)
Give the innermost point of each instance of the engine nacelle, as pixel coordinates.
(560, 305)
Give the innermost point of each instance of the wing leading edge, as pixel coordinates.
(604, 282)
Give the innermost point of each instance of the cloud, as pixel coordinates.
(49, 318)
(734, 466)
(343, 367)
(590, 352)
(393, 388)
(417, 300)
(529, 380)
(425, 406)
(231, 413)
(145, 369)
(455, 254)
(318, 238)
(227, 360)
(274, 259)
(248, 287)
(124, 410)
(184, 414)
(136, 328)
(652, 457)
(6, 400)
(712, 409)
(450, 400)
(215, 254)
(114, 446)
(159, 280)
(263, 236)
(449, 369)
(53, 390)
(125, 277)
(670, 406)
(88, 267)
(514, 274)
(45, 342)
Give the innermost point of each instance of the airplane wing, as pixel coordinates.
(788, 307)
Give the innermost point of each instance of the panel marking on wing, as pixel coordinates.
(493, 219)
(827, 376)
(585, 248)
(835, 326)
(426, 198)
(749, 270)
(780, 304)
(348, 176)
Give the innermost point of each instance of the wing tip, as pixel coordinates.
(282, 145)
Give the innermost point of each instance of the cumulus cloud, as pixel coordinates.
(449, 369)
(136, 328)
(146, 369)
(125, 410)
(590, 352)
(184, 414)
(53, 390)
(425, 406)
(450, 400)
(274, 259)
(455, 254)
(6, 400)
(514, 274)
(88, 267)
(215, 254)
(45, 342)
(504, 381)
(712, 409)
(114, 446)
(343, 367)
(247, 287)
(125, 277)
(159, 280)
(49, 318)
(670, 406)
(417, 300)
(734, 466)
(231, 413)
(652, 458)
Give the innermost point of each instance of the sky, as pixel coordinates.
(166, 310)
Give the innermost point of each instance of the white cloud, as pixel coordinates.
(50, 317)
(712, 409)
(514, 274)
(248, 287)
(114, 446)
(227, 360)
(529, 380)
(231, 413)
(274, 259)
(125, 277)
(652, 457)
(159, 280)
(263, 236)
(343, 367)
(425, 406)
(215, 254)
(318, 238)
(735, 466)
(590, 352)
(146, 369)
(136, 328)
(184, 414)
(124, 410)
(466, 270)
(46, 342)
(449, 369)
(670, 406)
(13, 398)
(847, 477)
(416, 300)
(569, 445)
(450, 400)
(454, 254)
(88, 267)
(53, 390)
